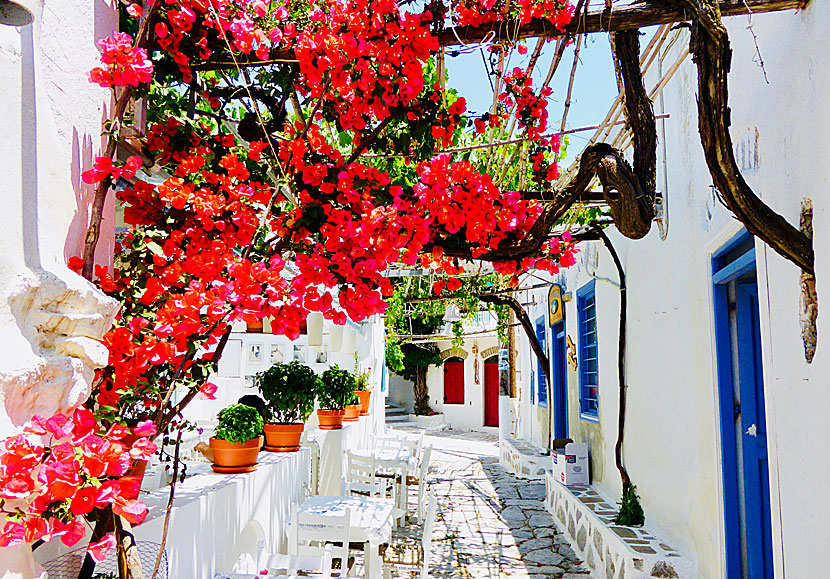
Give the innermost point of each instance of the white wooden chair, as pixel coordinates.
(378, 489)
(293, 564)
(310, 535)
(415, 445)
(415, 554)
(423, 470)
(380, 442)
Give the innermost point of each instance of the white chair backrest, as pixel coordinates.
(383, 442)
(422, 481)
(309, 533)
(426, 538)
(367, 489)
(292, 564)
(360, 469)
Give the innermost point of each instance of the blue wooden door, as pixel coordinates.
(560, 382)
(746, 490)
(753, 427)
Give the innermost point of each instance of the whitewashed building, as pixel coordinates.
(725, 427)
(464, 388)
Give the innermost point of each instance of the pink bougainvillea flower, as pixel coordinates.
(12, 534)
(133, 510)
(142, 449)
(145, 428)
(207, 391)
(98, 551)
(73, 532)
(125, 64)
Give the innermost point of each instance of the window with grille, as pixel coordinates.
(542, 379)
(588, 358)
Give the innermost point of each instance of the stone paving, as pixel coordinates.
(489, 523)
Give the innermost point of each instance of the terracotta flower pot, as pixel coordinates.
(365, 396)
(235, 457)
(283, 437)
(330, 419)
(352, 412)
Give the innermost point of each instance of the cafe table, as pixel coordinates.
(372, 520)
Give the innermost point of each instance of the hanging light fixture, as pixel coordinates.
(451, 314)
(314, 325)
(335, 338)
(348, 341)
(19, 12)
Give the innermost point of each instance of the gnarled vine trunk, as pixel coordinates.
(420, 390)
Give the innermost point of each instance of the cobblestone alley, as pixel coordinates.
(489, 523)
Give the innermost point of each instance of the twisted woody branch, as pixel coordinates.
(629, 192)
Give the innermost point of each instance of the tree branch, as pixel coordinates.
(626, 480)
(712, 54)
(527, 325)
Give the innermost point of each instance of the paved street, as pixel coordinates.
(490, 524)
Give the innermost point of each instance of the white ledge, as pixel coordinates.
(610, 550)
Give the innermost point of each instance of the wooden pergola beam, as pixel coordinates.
(629, 17)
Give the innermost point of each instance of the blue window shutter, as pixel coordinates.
(542, 379)
(588, 352)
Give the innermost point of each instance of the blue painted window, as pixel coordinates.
(532, 386)
(588, 358)
(541, 377)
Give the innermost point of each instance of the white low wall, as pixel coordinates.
(333, 445)
(523, 459)
(609, 550)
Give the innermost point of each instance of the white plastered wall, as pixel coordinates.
(672, 441)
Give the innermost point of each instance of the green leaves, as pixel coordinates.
(289, 391)
(336, 388)
(239, 423)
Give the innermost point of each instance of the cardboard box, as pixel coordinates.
(571, 467)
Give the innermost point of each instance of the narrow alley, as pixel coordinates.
(490, 524)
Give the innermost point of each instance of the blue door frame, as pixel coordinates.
(541, 377)
(560, 381)
(729, 267)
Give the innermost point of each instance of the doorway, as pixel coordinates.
(491, 391)
(743, 421)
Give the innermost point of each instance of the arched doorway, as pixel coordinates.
(491, 391)
(454, 380)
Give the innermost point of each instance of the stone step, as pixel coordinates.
(397, 418)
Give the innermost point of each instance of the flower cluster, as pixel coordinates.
(125, 64)
(58, 469)
(479, 12)
(531, 109)
(556, 12)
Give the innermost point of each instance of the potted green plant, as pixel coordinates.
(237, 440)
(289, 391)
(352, 408)
(363, 387)
(336, 388)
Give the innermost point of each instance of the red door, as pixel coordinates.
(454, 381)
(491, 393)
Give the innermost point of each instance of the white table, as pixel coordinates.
(371, 522)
